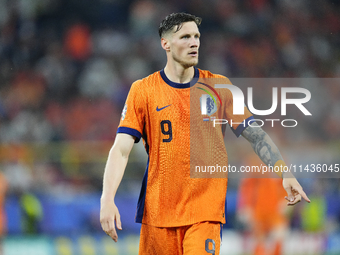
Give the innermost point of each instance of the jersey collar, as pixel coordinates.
(181, 85)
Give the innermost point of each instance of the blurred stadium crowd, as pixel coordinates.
(67, 65)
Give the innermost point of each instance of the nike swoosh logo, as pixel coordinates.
(159, 109)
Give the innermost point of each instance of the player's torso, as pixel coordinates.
(168, 134)
(167, 125)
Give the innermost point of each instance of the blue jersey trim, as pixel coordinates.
(242, 127)
(221, 231)
(181, 85)
(141, 199)
(130, 131)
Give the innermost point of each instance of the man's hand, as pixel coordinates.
(109, 217)
(293, 189)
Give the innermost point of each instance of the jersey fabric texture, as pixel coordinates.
(159, 111)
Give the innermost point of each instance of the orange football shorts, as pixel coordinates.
(199, 238)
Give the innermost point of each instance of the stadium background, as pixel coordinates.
(66, 68)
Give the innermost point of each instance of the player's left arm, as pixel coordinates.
(268, 152)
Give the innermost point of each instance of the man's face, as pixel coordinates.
(184, 44)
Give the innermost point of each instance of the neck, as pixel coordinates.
(179, 74)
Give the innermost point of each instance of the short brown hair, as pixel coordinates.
(176, 19)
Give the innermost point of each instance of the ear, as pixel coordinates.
(165, 44)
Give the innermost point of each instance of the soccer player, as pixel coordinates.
(179, 214)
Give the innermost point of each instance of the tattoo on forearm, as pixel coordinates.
(262, 144)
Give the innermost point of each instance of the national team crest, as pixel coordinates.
(208, 105)
(124, 111)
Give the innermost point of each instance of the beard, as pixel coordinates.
(186, 63)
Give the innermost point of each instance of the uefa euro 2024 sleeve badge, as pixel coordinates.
(124, 111)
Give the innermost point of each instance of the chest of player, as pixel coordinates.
(170, 104)
(168, 115)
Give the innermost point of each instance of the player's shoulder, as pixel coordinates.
(208, 74)
(209, 77)
(212, 79)
(148, 81)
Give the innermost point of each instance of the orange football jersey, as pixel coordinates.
(178, 138)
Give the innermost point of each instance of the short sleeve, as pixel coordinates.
(133, 115)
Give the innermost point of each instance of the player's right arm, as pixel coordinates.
(113, 174)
